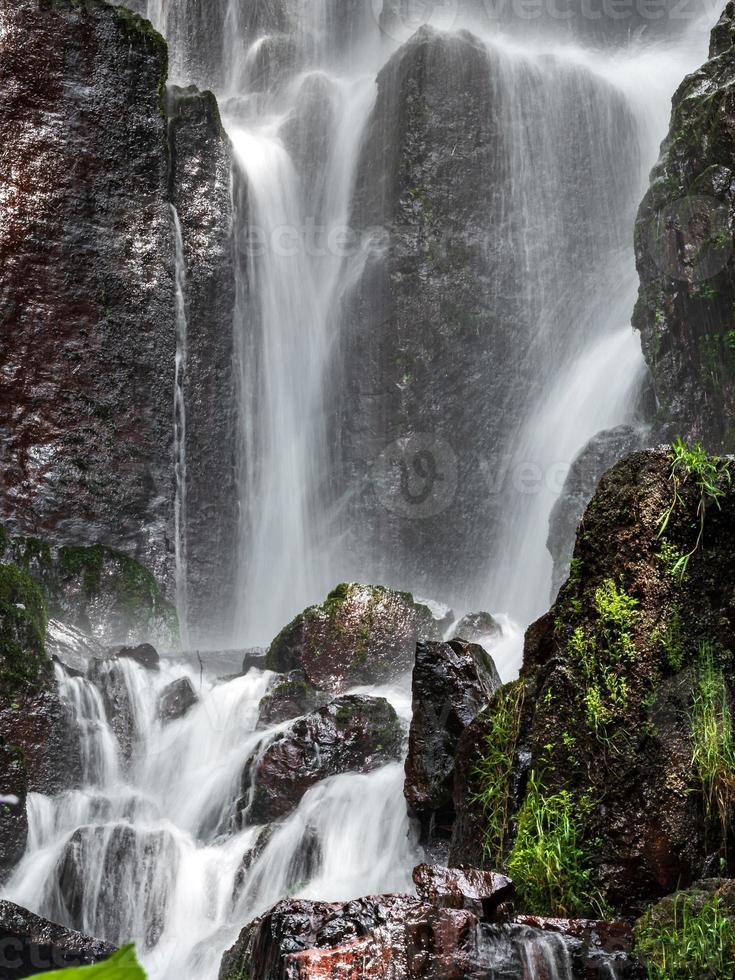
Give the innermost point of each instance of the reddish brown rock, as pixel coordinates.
(479, 892)
(351, 734)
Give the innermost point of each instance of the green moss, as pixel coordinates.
(23, 622)
(670, 641)
(696, 940)
(494, 773)
(550, 863)
(600, 656)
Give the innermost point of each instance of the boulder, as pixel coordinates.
(32, 945)
(254, 658)
(620, 682)
(144, 654)
(451, 684)
(110, 677)
(601, 452)
(176, 700)
(292, 695)
(479, 892)
(351, 734)
(475, 627)
(361, 634)
(387, 937)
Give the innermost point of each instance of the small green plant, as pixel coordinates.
(710, 474)
(671, 642)
(495, 770)
(122, 965)
(713, 747)
(696, 942)
(549, 863)
(672, 559)
(602, 655)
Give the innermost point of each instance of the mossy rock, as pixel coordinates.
(23, 620)
(360, 634)
(610, 679)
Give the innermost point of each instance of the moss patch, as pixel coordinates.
(23, 621)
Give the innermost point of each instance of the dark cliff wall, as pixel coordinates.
(200, 190)
(469, 299)
(86, 266)
(87, 289)
(685, 256)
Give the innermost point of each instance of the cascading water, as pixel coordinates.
(180, 542)
(148, 848)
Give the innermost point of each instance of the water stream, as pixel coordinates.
(148, 848)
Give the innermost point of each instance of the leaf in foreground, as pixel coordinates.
(122, 965)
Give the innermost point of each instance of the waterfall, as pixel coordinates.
(180, 543)
(147, 849)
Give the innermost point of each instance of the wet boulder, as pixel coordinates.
(451, 684)
(144, 654)
(401, 936)
(292, 695)
(476, 627)
(479, 892)
(351, 734)
(254, 658)
(32, 945)
(361, 634)
(176, 700)
(109, 675)
(620, 681)
(601, 452)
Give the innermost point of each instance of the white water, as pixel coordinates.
(155, 854)
(180, 515)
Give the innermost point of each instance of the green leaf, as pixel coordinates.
(122, 965)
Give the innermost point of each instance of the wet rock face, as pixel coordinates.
(177, 700)
(361, 634)
(87, 303)
(110, 677)
(39, 744)
(600, 453)
(452, 682)
(613, 679)
(479, 892)
(351, 734)
(388, 937)
(421, 461)
(33, 945)
(89, 172)
(475, 627)
(130, 863)
(291, 696)
(685, 256)
(201, 159)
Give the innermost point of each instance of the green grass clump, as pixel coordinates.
(698, 942)
(495, 770)
(549, 863)
(710, 475)
(713, 747)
